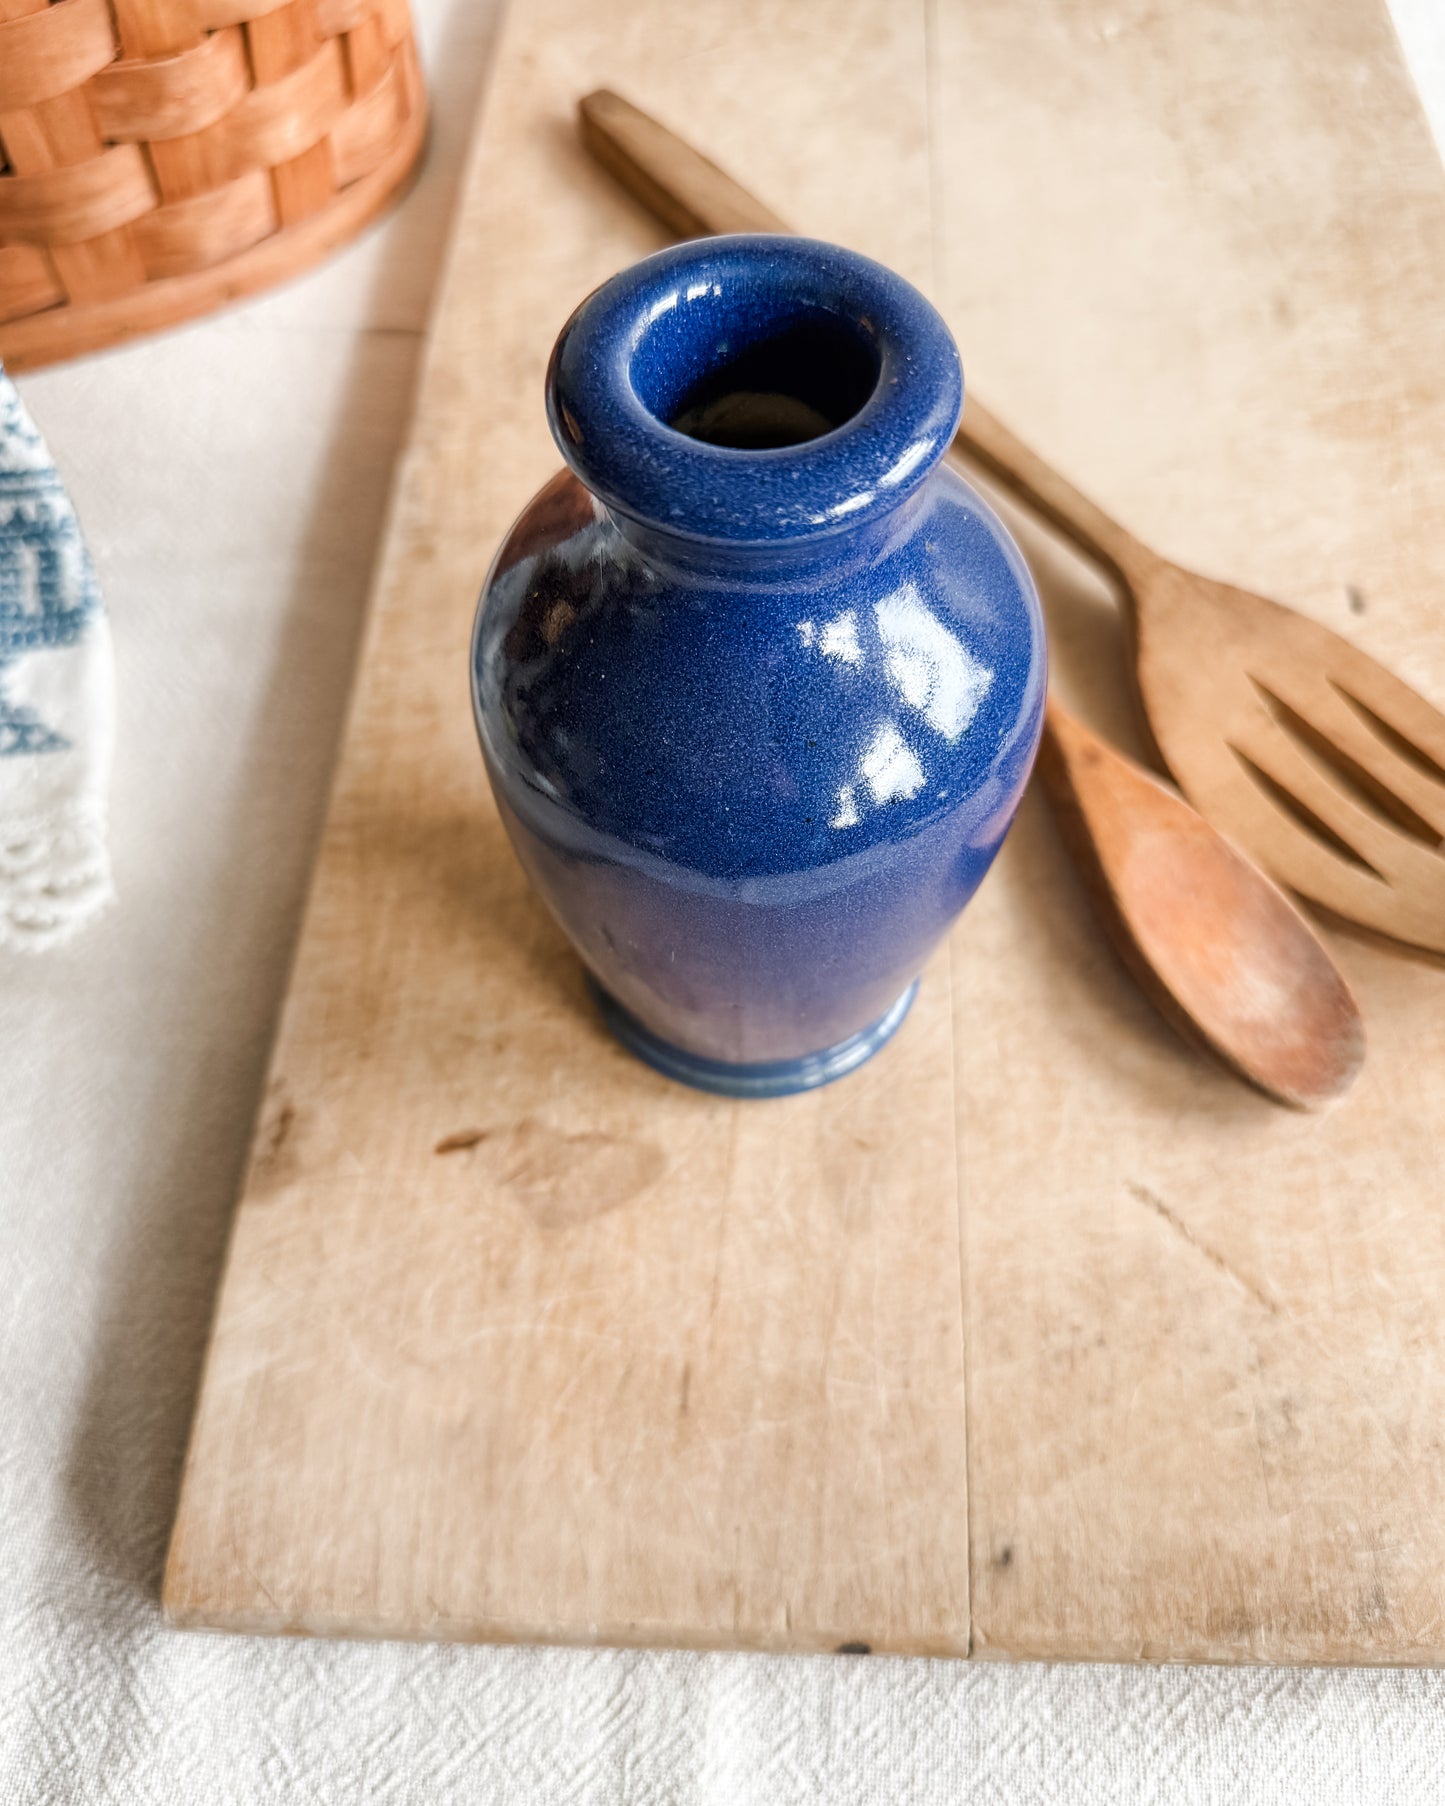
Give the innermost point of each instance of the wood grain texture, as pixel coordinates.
(1203, 1336)
(517, 1340)
(550, 1347)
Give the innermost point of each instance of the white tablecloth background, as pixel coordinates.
(232, 478)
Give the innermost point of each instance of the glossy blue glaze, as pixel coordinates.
(757, 719)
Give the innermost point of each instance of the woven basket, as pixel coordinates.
(164, 156)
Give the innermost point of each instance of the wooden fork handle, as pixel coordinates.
(693, 198)
(677, 184)
(1026, 476)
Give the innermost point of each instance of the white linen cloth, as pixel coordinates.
(130, 1063)
(56, 699)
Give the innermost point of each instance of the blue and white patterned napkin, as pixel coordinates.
(56, 699)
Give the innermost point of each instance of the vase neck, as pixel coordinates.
(770, 565)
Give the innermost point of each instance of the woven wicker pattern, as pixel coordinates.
(163, 156)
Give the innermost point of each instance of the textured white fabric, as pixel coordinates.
(56, 699)
(130, 1062)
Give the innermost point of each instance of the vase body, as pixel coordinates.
(758, 680)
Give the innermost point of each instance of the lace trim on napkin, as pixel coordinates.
(56, 699)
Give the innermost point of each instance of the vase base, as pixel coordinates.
(763, 1078)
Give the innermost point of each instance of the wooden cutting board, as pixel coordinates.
(1039, 1336)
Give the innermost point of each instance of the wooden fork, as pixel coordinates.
(1325, 768)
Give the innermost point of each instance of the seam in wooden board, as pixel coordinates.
(929, 21)
(958, 1194)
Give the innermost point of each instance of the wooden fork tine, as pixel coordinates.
(1276, 753)
(1403, 710)
(1379, 766)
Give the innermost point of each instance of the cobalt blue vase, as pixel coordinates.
(758, 679)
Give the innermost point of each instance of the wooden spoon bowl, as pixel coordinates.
(1222, 952)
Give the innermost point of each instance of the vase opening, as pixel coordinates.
(806, 376)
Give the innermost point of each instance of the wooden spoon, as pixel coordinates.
(1221, 951)
(1308, 753)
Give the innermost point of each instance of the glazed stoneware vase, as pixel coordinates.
(758, 679)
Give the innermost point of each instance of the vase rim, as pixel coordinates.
(844, 341)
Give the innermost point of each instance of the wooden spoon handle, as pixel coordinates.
(695, 199)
